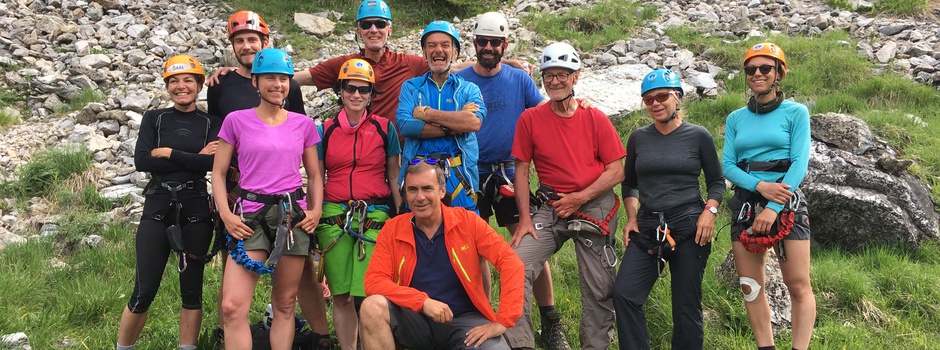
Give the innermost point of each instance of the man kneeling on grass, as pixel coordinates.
(424, 281)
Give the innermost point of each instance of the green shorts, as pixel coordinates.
(345, 263)
(260, 241)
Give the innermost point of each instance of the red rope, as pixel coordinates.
(760, 243)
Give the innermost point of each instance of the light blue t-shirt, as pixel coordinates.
(783, 133)
(506, 94)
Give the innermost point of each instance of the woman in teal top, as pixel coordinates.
(766, 154)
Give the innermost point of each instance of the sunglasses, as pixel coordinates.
(379, 24)
(648, 100)
(431, 161)
(363, 90)
(764, 69)
(481, 42)
(560, 77)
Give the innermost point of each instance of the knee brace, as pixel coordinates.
(755, 288)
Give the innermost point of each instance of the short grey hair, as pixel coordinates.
(421, 167)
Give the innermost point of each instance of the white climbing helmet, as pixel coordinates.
(560, 55)
(492, 24)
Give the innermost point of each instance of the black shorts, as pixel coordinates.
(491, 201)
(414, 330)
(799, 232)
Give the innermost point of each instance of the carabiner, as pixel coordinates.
(361, 251)
(745, 213)
(608, 253)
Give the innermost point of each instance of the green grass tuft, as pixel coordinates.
(592, 27)
(902, 7)
(48, 168)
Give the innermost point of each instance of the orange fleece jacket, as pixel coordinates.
(467, 238)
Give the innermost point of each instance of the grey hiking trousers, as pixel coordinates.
(596, 260)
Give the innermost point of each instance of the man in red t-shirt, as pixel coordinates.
(579, 159)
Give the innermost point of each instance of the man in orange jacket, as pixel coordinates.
(424, 283)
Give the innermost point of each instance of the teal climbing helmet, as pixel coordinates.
(272, 61)
(443, 27)
(373, 8)
(661, 78)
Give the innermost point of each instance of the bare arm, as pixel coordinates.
(314, 210)
(233, 224)
(392, 169)
(525, 226)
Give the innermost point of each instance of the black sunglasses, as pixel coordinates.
(481, 42)
(764, 69)
(379, 24)
(363, 90)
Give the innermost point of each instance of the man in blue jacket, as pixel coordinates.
(439, 115)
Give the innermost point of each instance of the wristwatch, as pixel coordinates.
(447, 131)
(711, 209)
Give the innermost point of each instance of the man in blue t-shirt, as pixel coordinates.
(507, 92)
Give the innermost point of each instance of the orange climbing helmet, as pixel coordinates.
(767, 50)
(357, 69)
(183, 64)
(246, 20)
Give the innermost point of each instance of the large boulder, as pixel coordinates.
(860, 193)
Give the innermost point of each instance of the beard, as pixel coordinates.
(490, 63)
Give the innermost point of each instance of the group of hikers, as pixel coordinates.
(402, 181)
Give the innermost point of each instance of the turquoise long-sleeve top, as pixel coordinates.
(783, 133)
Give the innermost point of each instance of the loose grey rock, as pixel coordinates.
(94, 61)
(93, 241)
(137, 101)
(887, 52)
(316, 25)
(15, 341)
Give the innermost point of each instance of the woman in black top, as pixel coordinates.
(667, 219)
(176, 145)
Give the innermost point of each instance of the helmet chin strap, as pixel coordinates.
(671, 117)
(769, 88)
(279, 105)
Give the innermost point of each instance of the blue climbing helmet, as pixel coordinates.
(272, 61)
(373, 8)
(443, 27)
(661, 78)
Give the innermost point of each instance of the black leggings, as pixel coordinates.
(153, 249)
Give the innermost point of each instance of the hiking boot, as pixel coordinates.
(553, 333)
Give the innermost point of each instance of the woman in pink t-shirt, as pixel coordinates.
(273, 215)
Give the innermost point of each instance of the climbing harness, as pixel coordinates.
(754, 203)
(286, 206)
(582, 222)
(446, 162)
(171, 217)
(498, 173)
(756, 243)
(353, 211)
(665, 245)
